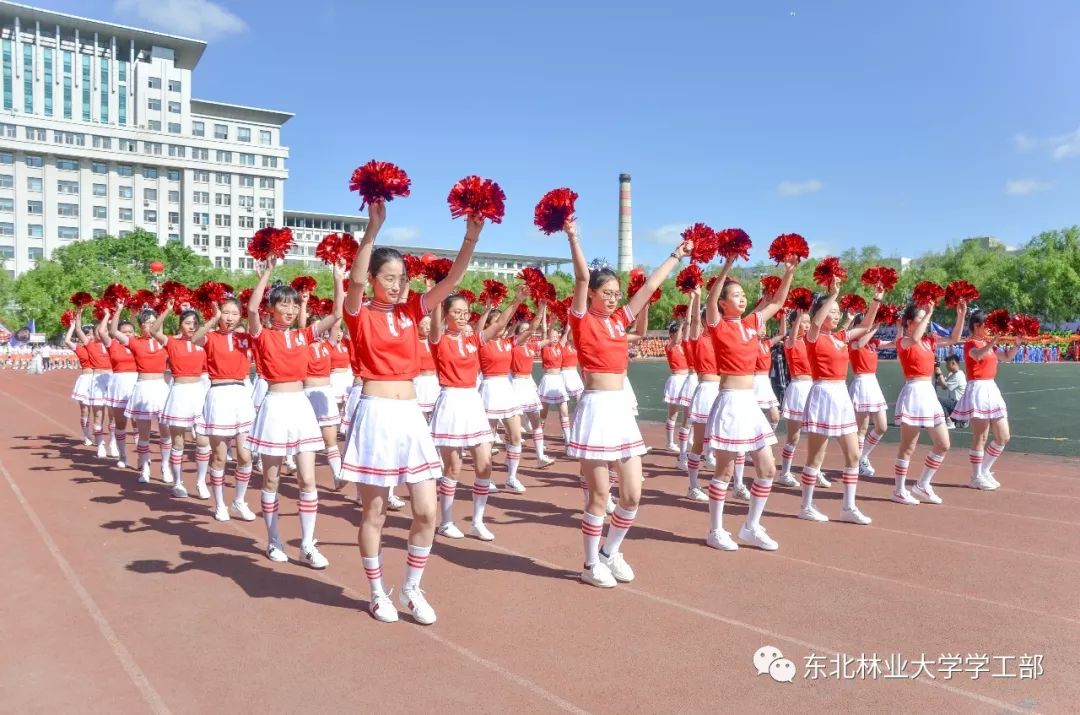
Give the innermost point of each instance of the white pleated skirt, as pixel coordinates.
(572, 380)
(604, 429)
(389, 444)
(918, 405)
(795, 395)
(427, 391)
(324, 404)
(686, 396)
(631, 396)
(121, 384)
(552, 389)
(341, 381)
(147, 400)
(982, 400)
(81, 391)
(459, 419)
(829, 410)
(227, 411)
(527, 395)
(737, 424)
(499, 397)
(258, 391)
(866, 395)
(702, 404)
(673, 388)
(352, 401)
(285, 425)
(763, 392)
(99, 389)
(184, 405)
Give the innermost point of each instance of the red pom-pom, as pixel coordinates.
(1024, 326)
(524, 314)
(852, 303)
(477, 198)
(177, 292)
(326, 306)
(540, 288)
(960, 290)
(493, 293)
(681, 311)
(887, 314)
(100, 306)
(244, 297)
(689, 278)
(636, 282)
(468, 295)
(379, 181)
(770, 284)
(304, 284)
(115, 293)
(474, 318)
(800, 299)
(554, 210)
(997, 321)
(157, 267)
(880, 276)
(81, 299)
(141, 300)
(712, 281)
(337, 246)
(67, 318)
(706, 242)
(437, 269)
(828, 270)
(787, 245)
(927, 293)
(734, 243)
(209, 295)
(560, 309)
(270, 243)
(414, 266)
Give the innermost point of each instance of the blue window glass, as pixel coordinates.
(48, 80)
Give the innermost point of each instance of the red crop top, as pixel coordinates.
(829, 356)
(457, 359)
(98, 355)
(120, 357)
(864, 360)
(521, 362)
(339, 355)
(690, 351)
(983, 369)
(798, 360)
(319, 359)
(602, 339)
(284, 354)
(495, 357)
(386, 344)
(706, 356)
(737, 341)
(551, 357)
(427, 360)
(569, 357)
(676, 358)
(918, 360)
(227, 355)
(149, 355)
(764, 359)
(84, 357)
(185, 358)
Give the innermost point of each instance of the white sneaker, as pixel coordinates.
(866, 469)
(610, 505)
(201, 491)
(544, 462)
(144, 474)
(492, 489)
(276, 552)
(395, 503)
(981, 482)
(339, 483)
(697, 494)
(221, 513)
(87, 442)
(598, 575)
(904, 497)
(313, 557)
(786, 480)
(757, 537)
(481, 532)
(618, 567)
(114, 451)
(101, 451)
(741, 493)
(950, 425)
(515, 486)
(989, 476)
(672, 447)
(683, 464)
(179, 491)
(413, 599)
(721, 540)
(822, 481)
(854, 516)
(166, 476)
(925, 494)
(120, 464)
(811, 513)
(382, 608)
(241, 511)
(450, 531)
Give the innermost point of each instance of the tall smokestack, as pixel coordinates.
(626, 228)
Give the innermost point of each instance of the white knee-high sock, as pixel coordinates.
(479, 499)
(993, 451)
(446, 489)
(309, 510)
(759, 494)
(850, 480)
(930, 467)
(202, 463)
(872, 440)
(269, 502)
(809, 481)
(717, 496)
(621, 521)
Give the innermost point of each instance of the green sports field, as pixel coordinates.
(1043, 400)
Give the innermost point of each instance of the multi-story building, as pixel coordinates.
(100, 134)
(309, 228)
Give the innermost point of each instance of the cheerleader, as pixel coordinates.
(917, 407)
(676, 381)
(552, 386)
(286, 425)
(459, 419)
(183, 407)
(604, 431)
(686, 396)
(341, 376)
(571, 376)
(123, 378)
(147, 399)
(390, 443)
(633, 336)
(982, 404)
(829, 412)
(426, 382)
(227, 410)
(98, 391)
(736, 423)
(701, 404)
(798, 388)
(81, 391)
(521, 365)
(865, 392)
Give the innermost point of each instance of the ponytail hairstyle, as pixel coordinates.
(234, 301)
(127, 323)
(384, 255)
(819, 300)
(282, 293)
(907, 316)
(728, 282)
(450, 300)
(147, 315)
(977, 317)
(857, 320)
(600, 276)
(192, 314)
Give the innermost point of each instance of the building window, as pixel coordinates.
(223, 178)
(34, 208)
(102, 142)
(7, 205)
(124, 233)
(174, 85)
(101, 212)
(173, 175)
(99, 167)
(126, 213)
(67, 210)
(68, 58)
(6, 157)
(174, 198)
(154, 82)
(33, 134)
(33, 183)
(154, 104)
(243, 134)
(247, 160)
(149, 194)
(7, 229)
(129, 145)
(221, 131)
(7, 181)
(127, 192)
(34, 160)
(246, 222)
(175, 150)
(246, 201)
(100, 190)
(174, 107)
(9, 130)
(198, 129)
(201, 177)
(35, 253)
(174, 217)
(153, 148)
(174, 237)
(201, 219)
(103, 88)
(222, 241)
(121, 101)
(223, 199)
(67, 164)
(266, 137)
(150, 172)
(149, 216)
(153, 125)
(48, 63)
(124, 170)
(225, 157)
(67, 187)
(86, 88)
(266, 203)
(266, 183)
(67, 233)
(35, 230)
(222, 220)
(174, 127)
(9, 92)
(269, 162)
(200, 197)
(99, 232)
(247, 182)
(28, 78)
(202, 154)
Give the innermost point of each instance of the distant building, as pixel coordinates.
(989, 243)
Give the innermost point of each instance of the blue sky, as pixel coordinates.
(906, 124)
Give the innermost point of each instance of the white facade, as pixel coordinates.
(100, 135)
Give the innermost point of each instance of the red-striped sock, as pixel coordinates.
(930, 467)
(176, 461)
(446, 489)
(850, 479)
(592, 526)
(309, 510)
(538, 440)
(740, 467)
(121, 444)
(142, 448)
(373, 571)
(564, 422)
(809, 481)
(669, 431)
(84, 422)
(243, 478)
(900, 469)
(415, 563)
(684, 440)
(759, 494)
(872, 440)
(975, 458)
(513, 461)
(333, 457)
(717, 495)
(693, 468)
(202, 463)
(99, 436)
(269, 502)
(217, 484)
(621, 521)
(479, 499)
(788, 456)
(993, 451)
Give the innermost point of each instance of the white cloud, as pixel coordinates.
(198, 19)
(1062, 146)
(1024, 142)
(401, 235)
(669, 234)
(1023, 187)
(799, 188)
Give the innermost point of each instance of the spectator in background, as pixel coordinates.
(46, 357)
(953, 384)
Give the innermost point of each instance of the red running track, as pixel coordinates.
(121, 598)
